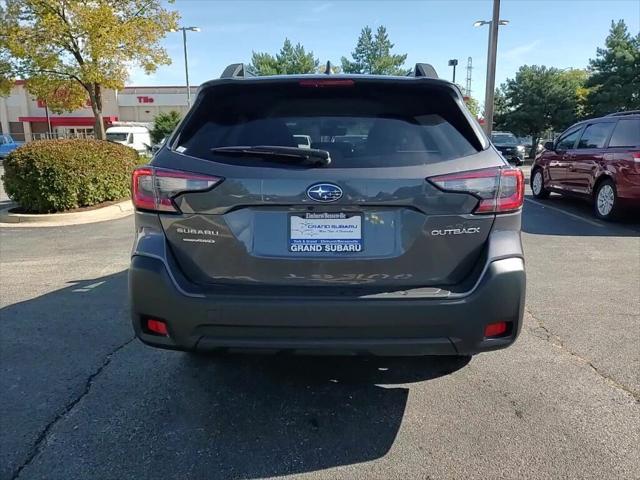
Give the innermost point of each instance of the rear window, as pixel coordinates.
(508, 139)
(626, 133)
(117, 136)
(366, 124)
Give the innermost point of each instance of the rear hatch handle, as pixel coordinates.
(304, 156)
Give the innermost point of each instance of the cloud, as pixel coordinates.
(518, 54)
(321, 7)
(240, 27)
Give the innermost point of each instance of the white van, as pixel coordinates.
(136, 137)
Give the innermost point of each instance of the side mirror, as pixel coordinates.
(549, 146)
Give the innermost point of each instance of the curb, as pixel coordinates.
(110, 212)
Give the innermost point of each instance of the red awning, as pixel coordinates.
(69, 121)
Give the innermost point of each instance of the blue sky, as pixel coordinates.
(559, 33)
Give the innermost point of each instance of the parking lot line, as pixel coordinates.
(572, 215)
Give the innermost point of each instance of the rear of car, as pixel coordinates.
(509, 146)
(7, 145)
(622, 158)
(404, 241)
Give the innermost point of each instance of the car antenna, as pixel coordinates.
(328, 71)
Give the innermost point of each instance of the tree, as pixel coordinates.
(500, 109)
(615, 73)
(164, 124)
(75, 45)
(540, 98)
(373, 55)
(472, 105)
(60, 95)
(290, 60)
(6, 70)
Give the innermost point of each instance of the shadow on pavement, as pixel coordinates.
(539, 220)
(273, 416)
(49, 346)
(98, 410)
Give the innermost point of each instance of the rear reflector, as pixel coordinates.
(500, 190)
(320, 83)
(154, 188)
(495, 329)
(157, 326)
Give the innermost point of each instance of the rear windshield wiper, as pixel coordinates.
(304, 156)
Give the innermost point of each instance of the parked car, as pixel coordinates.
(136, 137)
(303, 141)
(527, 142)
(597, 159)
(7, 145)
(509, 146)
(355, 140)
(409, 245)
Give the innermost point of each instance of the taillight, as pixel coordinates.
(154, 188)
(500, 190)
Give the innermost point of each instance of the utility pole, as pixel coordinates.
(468, 83)
(186, 61)
(491, 68)
(186, 66)
(494, 23)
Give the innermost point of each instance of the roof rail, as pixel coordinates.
(425, 70)
(622, 114)
(236, 70)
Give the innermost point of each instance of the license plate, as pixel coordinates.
(325, 232)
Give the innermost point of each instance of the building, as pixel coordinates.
(24, 117)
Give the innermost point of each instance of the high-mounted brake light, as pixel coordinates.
(330, 82)
(500, 190)
(155, 188)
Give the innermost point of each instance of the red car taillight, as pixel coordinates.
(500, 190)
(154, 188)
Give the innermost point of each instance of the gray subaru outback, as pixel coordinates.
(395, 232)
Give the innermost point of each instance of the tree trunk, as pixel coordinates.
(534, 145)
(95, 95)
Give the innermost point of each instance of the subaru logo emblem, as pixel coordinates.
(324, 192)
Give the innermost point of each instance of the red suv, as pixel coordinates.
(598, 159)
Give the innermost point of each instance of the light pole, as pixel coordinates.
(186, 61)
(452, 63)
(494, 23)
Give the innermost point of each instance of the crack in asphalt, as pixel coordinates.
(42, 437)
(543, 332)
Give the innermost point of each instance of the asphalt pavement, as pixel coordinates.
(81, 399)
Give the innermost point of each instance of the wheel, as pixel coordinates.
(537, 185)
(606, 200)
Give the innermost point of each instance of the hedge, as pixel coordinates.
(56, 175)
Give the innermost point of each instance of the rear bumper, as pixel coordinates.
(332, 325)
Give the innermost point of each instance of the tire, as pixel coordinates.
(537, 185)
(605, 200)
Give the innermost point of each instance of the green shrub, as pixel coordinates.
(54, 175)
